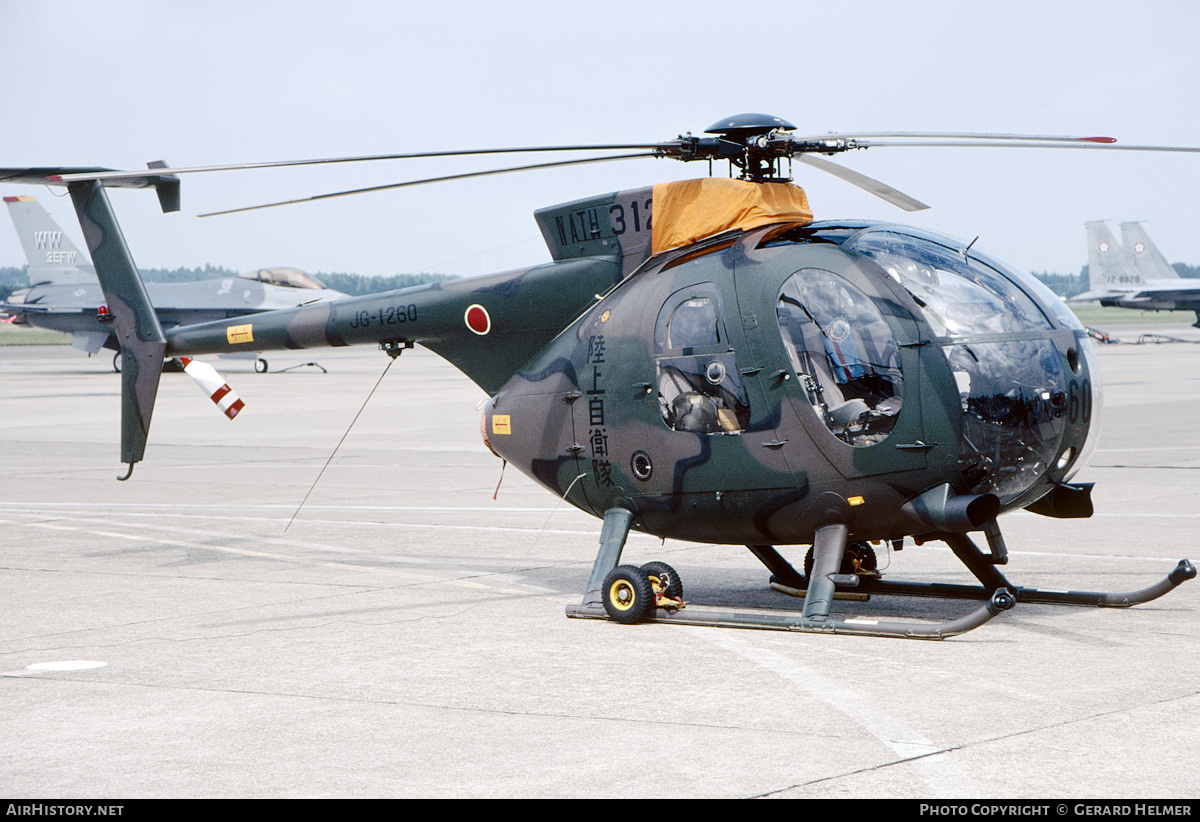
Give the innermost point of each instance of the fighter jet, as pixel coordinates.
(64, 293)
(1134, 274)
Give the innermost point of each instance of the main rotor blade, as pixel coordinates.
(881, 190)
(443, 178)
(107, 174)
(1081, 143)
(956, 135)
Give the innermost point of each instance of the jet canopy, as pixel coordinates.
(286, 277)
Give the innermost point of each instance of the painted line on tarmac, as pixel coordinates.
(171, 512)
(174, 506)
(278, 506)
(931, 762)
(408, 575)
(203, 546)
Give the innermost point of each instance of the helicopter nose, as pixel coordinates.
(483, 428)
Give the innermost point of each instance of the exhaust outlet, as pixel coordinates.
(942, 509)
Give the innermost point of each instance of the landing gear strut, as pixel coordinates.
(625, 593)
(983, 566)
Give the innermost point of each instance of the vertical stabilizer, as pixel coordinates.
(52, 257)
(1148, 260)
(135, 323)
(1108, 262)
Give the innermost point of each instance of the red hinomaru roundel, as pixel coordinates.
(478, 320)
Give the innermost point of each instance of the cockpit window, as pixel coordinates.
(959, 295)
(700, 389)
(693, 324)
(843, 353)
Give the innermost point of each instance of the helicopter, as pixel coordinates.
(703, 361)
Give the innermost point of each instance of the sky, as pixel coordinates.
(123, 82)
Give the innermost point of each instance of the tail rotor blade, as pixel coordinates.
(214, 386)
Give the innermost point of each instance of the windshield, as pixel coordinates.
(1014, 407)
(959, 295)
(994, 329)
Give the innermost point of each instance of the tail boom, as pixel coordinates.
(486, 326)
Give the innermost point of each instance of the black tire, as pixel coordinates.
(117, 362)
(261, 365)
(664, 578)
(627, 594)
(855, 550)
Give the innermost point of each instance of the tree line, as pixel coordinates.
(13, 278)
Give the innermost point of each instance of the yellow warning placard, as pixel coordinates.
(501, 424)
(236, 334)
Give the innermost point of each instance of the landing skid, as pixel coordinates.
(628, 594)
(785, 579)
(853, 626)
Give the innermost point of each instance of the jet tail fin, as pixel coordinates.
(52, 257)
(1108, 262)
(143, 344)
(1147, 259)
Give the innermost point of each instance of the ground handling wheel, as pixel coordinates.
(668, 587)
(665, 580)
(859, 559)
(628, 595)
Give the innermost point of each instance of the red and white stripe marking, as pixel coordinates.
(212, 384)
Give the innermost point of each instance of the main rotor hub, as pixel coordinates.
(754, 134)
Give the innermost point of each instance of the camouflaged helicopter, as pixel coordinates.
(702, 361)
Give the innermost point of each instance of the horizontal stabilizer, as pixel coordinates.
(167, 185)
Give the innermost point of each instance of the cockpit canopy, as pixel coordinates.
(286, 277)
(993, 324)
(863, 334)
